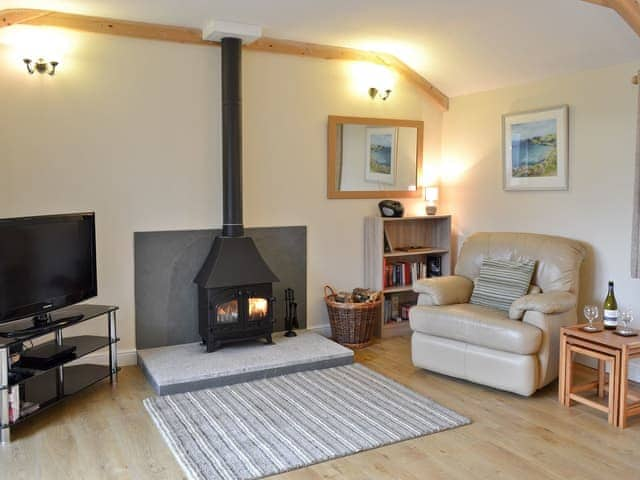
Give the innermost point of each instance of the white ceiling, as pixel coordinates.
(461, 46)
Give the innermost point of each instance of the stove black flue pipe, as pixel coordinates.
(232, 137)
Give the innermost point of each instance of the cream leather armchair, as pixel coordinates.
(515, 351)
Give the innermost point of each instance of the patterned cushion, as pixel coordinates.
(501, 282)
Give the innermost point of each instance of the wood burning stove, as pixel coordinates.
(235, 283)
(235, 291)
(231, 314)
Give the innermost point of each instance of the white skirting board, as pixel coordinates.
(324, 330)
(129, 357)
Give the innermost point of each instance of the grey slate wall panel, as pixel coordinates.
(167, 262)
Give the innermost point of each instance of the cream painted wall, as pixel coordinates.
(131, 129)
(287, 100)
(597, 207)
(126, 128)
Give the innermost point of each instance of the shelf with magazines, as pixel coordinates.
(399, 251)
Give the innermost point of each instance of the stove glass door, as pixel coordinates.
(258, 309)
(227, 312)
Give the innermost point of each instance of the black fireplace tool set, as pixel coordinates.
(291, 313)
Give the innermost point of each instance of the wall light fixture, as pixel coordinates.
(374, 92)
(40, 66)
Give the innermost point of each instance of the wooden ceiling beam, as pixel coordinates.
(11, 17)
(171, 33)
(111, 26)
(602, 3)
(303, 49)
(629, 10)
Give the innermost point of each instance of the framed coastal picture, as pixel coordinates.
(380, 164)
(536, 149)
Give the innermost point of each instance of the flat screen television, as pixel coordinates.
(46, 263)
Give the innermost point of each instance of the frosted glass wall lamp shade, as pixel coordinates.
(431, 197)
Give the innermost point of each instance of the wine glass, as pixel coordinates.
(591, 313)
(626, 317)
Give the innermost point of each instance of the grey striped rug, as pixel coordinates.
(255, 429)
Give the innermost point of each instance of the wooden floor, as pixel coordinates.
(106, 433)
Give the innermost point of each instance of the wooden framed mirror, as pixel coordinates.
(374, 157)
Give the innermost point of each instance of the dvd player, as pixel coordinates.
(46, 355)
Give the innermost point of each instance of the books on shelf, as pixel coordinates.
(402, 274)
(17, 407)
(405, 274)
(14, 403)
(394, 311)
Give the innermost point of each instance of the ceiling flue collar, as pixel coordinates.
(216, 30)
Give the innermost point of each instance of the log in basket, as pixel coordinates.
(351, 323)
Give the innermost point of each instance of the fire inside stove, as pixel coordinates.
(258, 308)
(228, 312)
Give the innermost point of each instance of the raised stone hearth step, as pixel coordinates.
(185, 368)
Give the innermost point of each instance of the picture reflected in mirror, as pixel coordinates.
(371, 158)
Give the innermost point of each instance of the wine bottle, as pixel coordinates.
(610, 310)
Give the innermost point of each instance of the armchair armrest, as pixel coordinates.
(547, 303)
(447, 290)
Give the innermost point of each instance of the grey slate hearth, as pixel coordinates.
(185, 368)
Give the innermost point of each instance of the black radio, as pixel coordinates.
(391, 208)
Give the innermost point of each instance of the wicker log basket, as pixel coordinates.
(351, 323)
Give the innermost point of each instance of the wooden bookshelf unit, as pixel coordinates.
(394, 250)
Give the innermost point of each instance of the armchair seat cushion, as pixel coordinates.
(477, 325)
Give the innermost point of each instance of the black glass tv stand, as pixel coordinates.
(46, 319)
(39, 389)
(41, 326)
